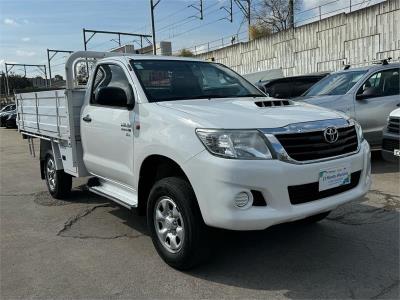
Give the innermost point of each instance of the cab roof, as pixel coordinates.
(159, 57)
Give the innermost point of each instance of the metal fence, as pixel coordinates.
(303, 17)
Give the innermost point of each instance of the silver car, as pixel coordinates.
(366, 94)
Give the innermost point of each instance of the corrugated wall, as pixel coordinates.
(354, 38)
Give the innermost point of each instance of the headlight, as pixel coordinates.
(358, 129)
(239, 144)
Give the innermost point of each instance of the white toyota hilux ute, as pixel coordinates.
(193, 145)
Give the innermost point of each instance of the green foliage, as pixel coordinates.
(259, 30)
(186, 53)
(58, 77)
(18, 82)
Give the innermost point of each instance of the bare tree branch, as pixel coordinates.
(276, 14)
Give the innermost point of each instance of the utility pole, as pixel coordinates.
(2, 77)
(229, 11)
(42, 68)
(86, 39)
(199, 8)
(50, 57)
(291, 13)
(246, 10)
(153, 30)
(7, 88)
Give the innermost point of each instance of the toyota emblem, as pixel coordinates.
(331, 135)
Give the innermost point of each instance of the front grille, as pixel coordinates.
(390, 145)
(394, 125)
(312, 145)
(304, 193)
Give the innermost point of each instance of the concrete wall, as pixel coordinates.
(354, 38)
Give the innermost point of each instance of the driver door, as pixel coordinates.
(106, 126)
(372, 111)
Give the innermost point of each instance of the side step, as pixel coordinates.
(121, 195)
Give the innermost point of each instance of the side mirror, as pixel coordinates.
(115, 96)
(368, 93)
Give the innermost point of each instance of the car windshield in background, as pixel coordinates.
(335, 84)
(167, 80)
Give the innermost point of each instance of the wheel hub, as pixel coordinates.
(51, 174)
(169, 225)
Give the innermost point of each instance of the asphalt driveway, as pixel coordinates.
(87, 247)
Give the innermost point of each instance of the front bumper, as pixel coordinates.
(216, 182)
(390, 142)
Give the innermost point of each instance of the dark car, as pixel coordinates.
(289, 87)
(7, 108)
(4, 116)
(11, 122)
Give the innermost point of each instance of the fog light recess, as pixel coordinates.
(243, 200)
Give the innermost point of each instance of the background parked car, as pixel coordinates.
(4, 116)
(366, 94)
(391, 137)
(11, 121)
(263, 75)
(7, 108)
(4, 112)
(289, 87)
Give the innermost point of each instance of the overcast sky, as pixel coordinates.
(29, 27)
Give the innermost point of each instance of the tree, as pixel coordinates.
(259, 30)
(82, 74)
(186, 53)
(17, 82)
(277, 15)
(58, 77)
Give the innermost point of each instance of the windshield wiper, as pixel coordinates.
(192, 98)
(227, 96)
(209, 96)
(251, 95)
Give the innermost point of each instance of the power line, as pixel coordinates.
(220, 42)
(97, 46)
(175, 13)
(164, 18)
(192, 18)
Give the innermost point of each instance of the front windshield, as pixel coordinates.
(335, 84)
(6, 108)
(167, 80)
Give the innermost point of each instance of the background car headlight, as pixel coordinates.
(240, 144)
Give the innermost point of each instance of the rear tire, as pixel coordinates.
(58, 182)
(175, 223)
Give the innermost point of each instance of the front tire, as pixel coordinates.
(175, 223)
(58, 182)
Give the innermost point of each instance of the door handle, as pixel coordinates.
(87, 119)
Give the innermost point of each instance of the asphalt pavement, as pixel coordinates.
(87, 247)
